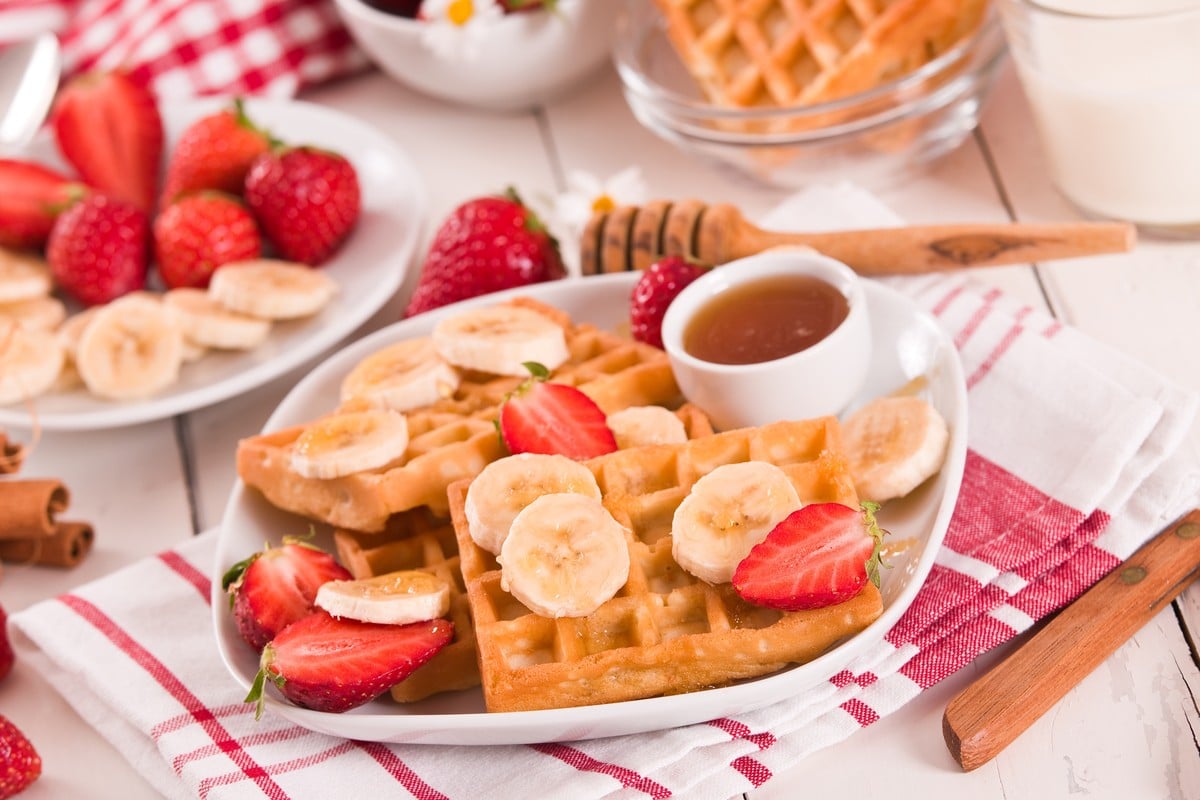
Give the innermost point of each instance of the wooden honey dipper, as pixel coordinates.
(633, 237)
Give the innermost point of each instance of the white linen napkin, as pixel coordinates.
(1074, 461)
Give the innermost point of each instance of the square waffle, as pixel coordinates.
(420, 539)
(454, 438)
(665, 631)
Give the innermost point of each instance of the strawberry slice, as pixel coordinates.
(108, 127)
(819, 555)
(330, 664)
(275, 587)
(553, 419)
(31, 198)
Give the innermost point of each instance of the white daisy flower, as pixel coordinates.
(587, 195)
(454, 29)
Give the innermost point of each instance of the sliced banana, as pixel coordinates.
(343, 444)
(642, 425)
(726, 513)
(565, 556)
(506, 486)
(131, 349)
(395, 598)
(401, 376)
(30, 361)
(72, 328)
(22, 277)
(894, 444)
(42, 312)
(271, 289)
(206, 322)
(500, 339)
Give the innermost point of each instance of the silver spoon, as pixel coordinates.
(29, 73)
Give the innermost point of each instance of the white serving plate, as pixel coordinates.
(368, 270)
(907, 344)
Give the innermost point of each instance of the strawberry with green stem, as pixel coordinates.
(215, 152)
(541, 416)
(31, 198)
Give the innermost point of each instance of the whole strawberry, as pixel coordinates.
(306, 199)
(7, 657)
(31, 197)
(485, 245)
(20, 764)
(654, 291)
(215, 152)
(99, 249)
(198, 233)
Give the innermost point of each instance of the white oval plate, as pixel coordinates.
(368, 269)
(907, 344)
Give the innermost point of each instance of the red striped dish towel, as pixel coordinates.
(185, 48)
(1075, 459)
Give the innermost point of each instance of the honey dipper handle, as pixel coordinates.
(990, 713)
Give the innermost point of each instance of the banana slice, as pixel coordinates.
(42, 312)
(131, 349)
(565, 556)
(22, 277)
(271, 289)
(395, 598)
(401, 376)
(347, 443)
(642, 425)
(30, 361)
(726, 513)
(206, 322)
(72, 328)
(506, 486)
(498, 340)
(894, 444)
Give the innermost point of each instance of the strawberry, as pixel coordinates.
(654, 291)
(275, 587)
(306, 199)
(108, 127)
(20, 764)
(98, 249)
(31, 197)
(198, 233)
(7, 656)
(819, 555)
(553, 418)
(329, 664)
(485, 245)
(215, 152)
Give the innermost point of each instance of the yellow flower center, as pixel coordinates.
(603, 204)
(460, 11)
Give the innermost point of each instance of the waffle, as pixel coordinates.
(453, 438)
(420, 539)
(665, 631)
(787, 53)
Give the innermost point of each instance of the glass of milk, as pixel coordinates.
(1115, 90)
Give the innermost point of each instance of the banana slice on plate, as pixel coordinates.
(30, 361)
(130, 350)
(271, 289)
(643, 425)
(42, 312)
(394, 598)
(506, 486)
(347, 443)
(22, 277)
(401, 376)
(726, 513)
(565, 556)
(894, 444)
(206, 322)
(499, 340)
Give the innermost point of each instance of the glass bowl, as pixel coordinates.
(872, 137)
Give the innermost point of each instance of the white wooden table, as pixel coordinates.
(1129, 731)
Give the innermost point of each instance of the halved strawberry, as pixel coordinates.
(819, 555)
(330, 664)
(273, 588)
(31, 197)
(553, 418)
(108, 127)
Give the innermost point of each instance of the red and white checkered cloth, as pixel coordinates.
(1075, 460)
(186, 48)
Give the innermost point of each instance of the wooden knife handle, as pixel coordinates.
(990, 713)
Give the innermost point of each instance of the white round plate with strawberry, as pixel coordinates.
(368, 267)
(907, 344)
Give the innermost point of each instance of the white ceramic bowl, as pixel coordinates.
(525, 60)
(819, 380)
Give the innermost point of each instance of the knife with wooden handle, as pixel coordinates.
(994, 710)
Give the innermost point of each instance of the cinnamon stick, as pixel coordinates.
(12, 455)
(28, 508)
(66, 545)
